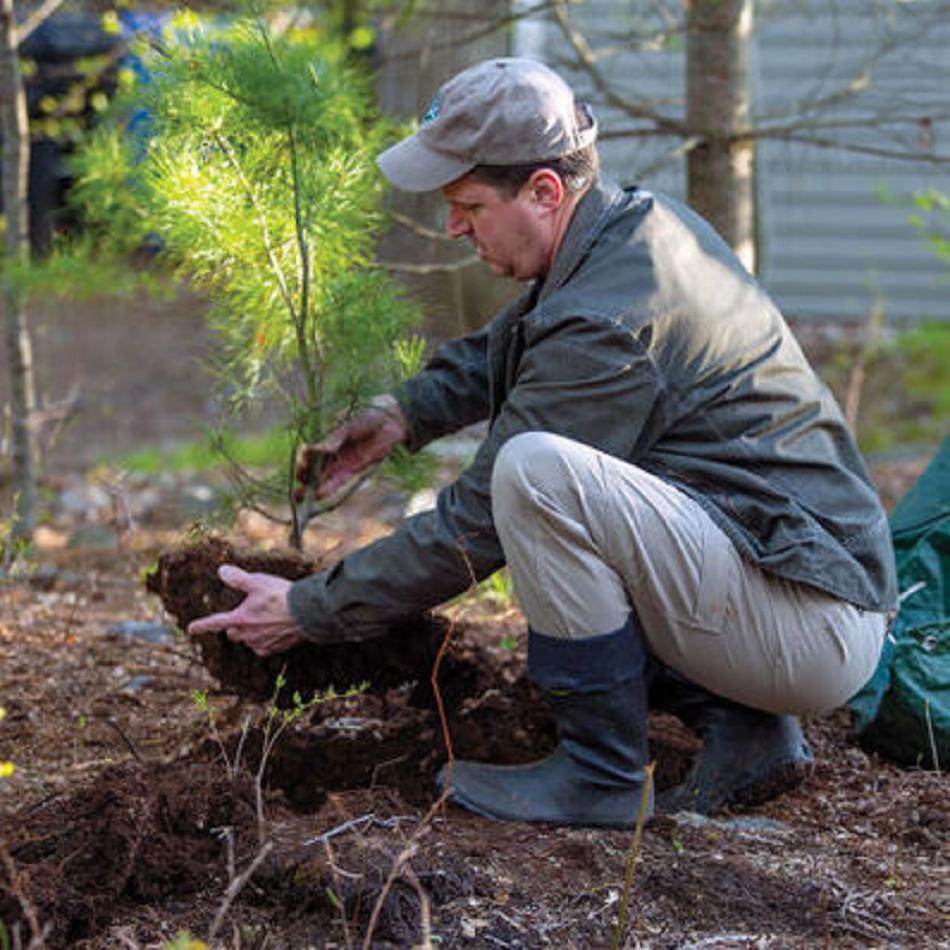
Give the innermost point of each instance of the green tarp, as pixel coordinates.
(904, 711)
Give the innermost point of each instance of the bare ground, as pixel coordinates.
(123, 824)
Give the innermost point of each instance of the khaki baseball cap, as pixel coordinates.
(507, 111)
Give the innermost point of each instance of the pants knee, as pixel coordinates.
(524, 462)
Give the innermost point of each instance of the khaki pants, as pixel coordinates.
(588, 538)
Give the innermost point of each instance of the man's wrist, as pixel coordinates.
(389, 404)
(310, 609)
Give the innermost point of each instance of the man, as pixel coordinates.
(685, 516)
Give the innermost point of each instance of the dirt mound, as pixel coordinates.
(147, 836)
(135, 834)
(341, 791)
(187, 582)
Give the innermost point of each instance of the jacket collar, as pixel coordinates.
(589, 218)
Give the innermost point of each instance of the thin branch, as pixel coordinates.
(225, 147)
(759, 130)
(400, 268)
(489, 29)
(588, 62)
(334, 870)
(404, 856)
(161, 49)
(861, 80)
(36, 19)
(425, 923)
(235, 888)
(677, 152)
(130, 745)
(410, 224)
(633, 854)
(640, 132)
(934, 158)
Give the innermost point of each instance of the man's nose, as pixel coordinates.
(456, 224)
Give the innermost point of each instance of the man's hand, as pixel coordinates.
(262, 621)
(351, 448)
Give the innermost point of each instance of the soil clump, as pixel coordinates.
(186, 579)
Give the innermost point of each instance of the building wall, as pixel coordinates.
(834, 240)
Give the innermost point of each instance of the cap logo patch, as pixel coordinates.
(432, 113)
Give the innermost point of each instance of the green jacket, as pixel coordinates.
(648, 341)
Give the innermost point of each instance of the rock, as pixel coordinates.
(85, 501)
(99, 537)
(200, 501)
(143, 630)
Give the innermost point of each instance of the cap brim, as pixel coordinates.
(413, 166)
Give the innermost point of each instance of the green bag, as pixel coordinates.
(904, 710)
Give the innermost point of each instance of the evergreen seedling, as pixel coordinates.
(257, 181)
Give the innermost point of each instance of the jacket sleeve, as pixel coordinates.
(587, 379)
(449, 393)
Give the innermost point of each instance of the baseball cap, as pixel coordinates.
(505, 111)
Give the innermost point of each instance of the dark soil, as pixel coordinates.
(187, 582)
(132, 815)
(160, 834)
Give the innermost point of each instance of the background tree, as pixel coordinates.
(16, 251)
(16, 29)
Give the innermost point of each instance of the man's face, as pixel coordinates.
(513, 236)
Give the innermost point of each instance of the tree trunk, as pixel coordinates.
(16, 157)
(720, 169)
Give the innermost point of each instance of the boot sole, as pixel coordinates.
(780, 779)
(783, 778)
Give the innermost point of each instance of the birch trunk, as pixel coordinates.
(16, 156)
(720, 170)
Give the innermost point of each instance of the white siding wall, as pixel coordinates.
(833, 231)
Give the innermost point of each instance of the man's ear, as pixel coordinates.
(546, 189)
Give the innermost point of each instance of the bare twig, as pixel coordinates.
(440, 705)
(419, 229)
(907, 155)
(401, 268)
(858, 371)
(674, 154)
(588, 62)
(424, 912)
(489, 29)
(930, 735)
(347, 936)
(129, 744)
(235, 888)
(354, 823)
(403, 857)
(36, 19)
(632, 855)
(15, 889)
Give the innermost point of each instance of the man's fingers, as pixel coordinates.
(212, 622)
(235, 577)
(307, 456)
(331, 484)
(333, 441)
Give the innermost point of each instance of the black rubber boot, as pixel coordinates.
(747, 758)
(594, 778)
